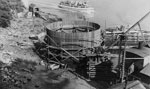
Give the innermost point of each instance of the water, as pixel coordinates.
(110, 13)
(51, 7)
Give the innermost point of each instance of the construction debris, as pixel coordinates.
(22, 68)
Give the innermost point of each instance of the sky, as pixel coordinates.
(115, 12)
(125, 12)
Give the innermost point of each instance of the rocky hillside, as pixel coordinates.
(20, 66)
(7, 9)
(5, 15)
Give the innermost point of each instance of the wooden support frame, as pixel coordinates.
(134, 58)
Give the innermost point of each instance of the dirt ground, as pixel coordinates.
(26, 73)
(15, 40)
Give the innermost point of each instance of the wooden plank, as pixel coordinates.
(76, 59)
(134, 58)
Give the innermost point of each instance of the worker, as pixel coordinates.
(31, 8)
(36, 12)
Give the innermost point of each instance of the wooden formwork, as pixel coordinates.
(72, 41)
(72, 24)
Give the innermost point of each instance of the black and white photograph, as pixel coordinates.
(74, 44)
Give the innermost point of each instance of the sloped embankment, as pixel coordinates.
(20, 67)
(28, 75)
(8, 8)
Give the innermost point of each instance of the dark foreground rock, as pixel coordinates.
(22, 74)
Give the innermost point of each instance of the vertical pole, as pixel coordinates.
(126, 81)
(119, 59)
(105, 24)
(33, 16)
(120, 50)
(142, 33)
(137, 37)
(123, 61)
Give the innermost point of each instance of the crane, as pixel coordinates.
(123, 37)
